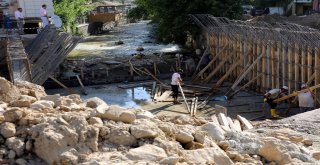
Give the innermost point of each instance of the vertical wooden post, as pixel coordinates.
(278, 64)
(303, 63)
(310, 59)
(264, 68)
(290, 68)
(258, 66)
(284, 63)
(254, 56)
(296, 67)
(317, 71)
(273, 66)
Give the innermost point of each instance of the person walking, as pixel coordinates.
(175, 80)
(44, 15)
(20, 19)
(272, 95)
(306, 99)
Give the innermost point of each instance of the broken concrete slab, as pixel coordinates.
(245, 123)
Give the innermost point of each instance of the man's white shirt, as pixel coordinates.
(18, 15)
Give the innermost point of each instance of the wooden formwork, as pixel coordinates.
(267, 56)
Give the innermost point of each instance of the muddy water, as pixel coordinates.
(112, 95)
(133, 35)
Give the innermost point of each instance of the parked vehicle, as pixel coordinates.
(247, 9)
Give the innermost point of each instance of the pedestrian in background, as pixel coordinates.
(20, 20)
(44, 15)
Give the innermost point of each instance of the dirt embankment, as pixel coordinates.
(312, 21)
(37, 128)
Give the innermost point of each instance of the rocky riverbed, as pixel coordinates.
(37, 128)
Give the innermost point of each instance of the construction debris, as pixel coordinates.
(50, 129)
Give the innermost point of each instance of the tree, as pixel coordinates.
(69, 11)
(172, 17)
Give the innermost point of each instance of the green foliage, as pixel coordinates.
(69, 11)
(137, 13)
(173, 22)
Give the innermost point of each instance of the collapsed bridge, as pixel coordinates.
(39, 59)
(261, 55)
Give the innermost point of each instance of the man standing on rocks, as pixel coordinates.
(272, 95)
(306, 99)
(176, 79)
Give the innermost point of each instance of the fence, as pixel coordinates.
(264, 56)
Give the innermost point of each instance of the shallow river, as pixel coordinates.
(133, 36)
(112, 95)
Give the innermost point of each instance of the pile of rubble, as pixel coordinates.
(51, 129)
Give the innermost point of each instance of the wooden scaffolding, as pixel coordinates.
(260, 55)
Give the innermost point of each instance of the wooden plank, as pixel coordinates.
(62, 85)
(296, 93)
(82, 86)
(264, 68)
(235, 84)
(296, 67)
(317, 70)
(258, 88)
(184, 98)
(200, 61)
(218, 67)
(215, 58)
(227, 74)
(310, 61)
(290, 69)
(196, 107)
(278, 65)
(154, 77)
(303, 67)
(244, 86)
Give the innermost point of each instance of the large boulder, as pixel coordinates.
(23, 101)
(8, 130)
(214, 131)
(114, 113)
(59, 139)
(147, 153)
(27, 88)
(42, 104)
(144, 129)
(275, 152)
(8, 92)
(184, 136)
(94, 102)
(213, 155)
(13, 114)
(56, 99)
(142, 114)
(121, 136)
